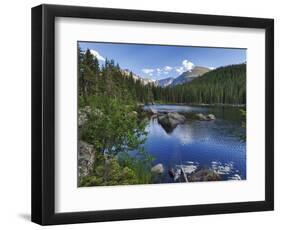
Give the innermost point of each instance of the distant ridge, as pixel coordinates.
(164, 82)
(185, 77)
(137, 77)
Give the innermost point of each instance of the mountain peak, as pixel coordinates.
(190, 75)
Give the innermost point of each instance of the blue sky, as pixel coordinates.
(158, 62)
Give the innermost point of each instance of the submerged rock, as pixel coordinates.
(159, 169)
(86, 158)
(170, 121)
(203, 117)
(172, 173)
(235, 177)
(204, 175)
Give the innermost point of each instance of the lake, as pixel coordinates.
(196, 144)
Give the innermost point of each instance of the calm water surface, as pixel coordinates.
(198, 144)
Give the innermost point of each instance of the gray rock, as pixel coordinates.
(211, 117)
(159, 169)
(170, 121)
(86, 158)
(201, 117)
(177, 174)
(204, 175)
(176, 116)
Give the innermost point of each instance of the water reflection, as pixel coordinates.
(199, 144)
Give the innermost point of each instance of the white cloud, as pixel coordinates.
(188, 65)
(97, 55)
(167, 68)
(159, 71)
(179, 69)
(148, 71)
(211, 68)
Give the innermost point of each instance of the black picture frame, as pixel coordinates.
(43, 114)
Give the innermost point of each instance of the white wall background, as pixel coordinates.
(15, 113)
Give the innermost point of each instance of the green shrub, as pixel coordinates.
(109, 173)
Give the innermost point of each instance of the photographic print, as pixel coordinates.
(154, 114)
(131, 102)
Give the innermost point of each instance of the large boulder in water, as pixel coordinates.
(176, 116)
(86, 158)
(204, 175)
(158, 169)
(170, 121)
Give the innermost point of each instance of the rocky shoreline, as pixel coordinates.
(187, 174)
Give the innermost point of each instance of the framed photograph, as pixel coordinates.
(142, 114)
